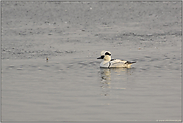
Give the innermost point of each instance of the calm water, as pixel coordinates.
(71, 86)
(74, 88)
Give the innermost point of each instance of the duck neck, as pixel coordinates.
(107, 58)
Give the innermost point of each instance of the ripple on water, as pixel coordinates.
(86, 64)
(46, 65)
(10, 67)
(154, 59)
(147, 57)
(157, 66)
(19, 68)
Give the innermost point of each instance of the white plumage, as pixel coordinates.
(113, 63)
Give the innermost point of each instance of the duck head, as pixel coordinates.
(106, 55)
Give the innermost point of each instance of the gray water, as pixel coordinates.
(70, 85)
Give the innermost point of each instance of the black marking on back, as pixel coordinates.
(107, 53)
(128, 62)
(109, 64)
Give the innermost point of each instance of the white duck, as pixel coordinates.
(113, 63)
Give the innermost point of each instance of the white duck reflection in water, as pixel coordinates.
(105, 80)
(113, 78)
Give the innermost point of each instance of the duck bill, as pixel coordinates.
(99, 57)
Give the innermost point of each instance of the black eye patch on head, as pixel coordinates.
(107, 53)
(102, 56)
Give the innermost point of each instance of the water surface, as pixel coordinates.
(70, 85)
